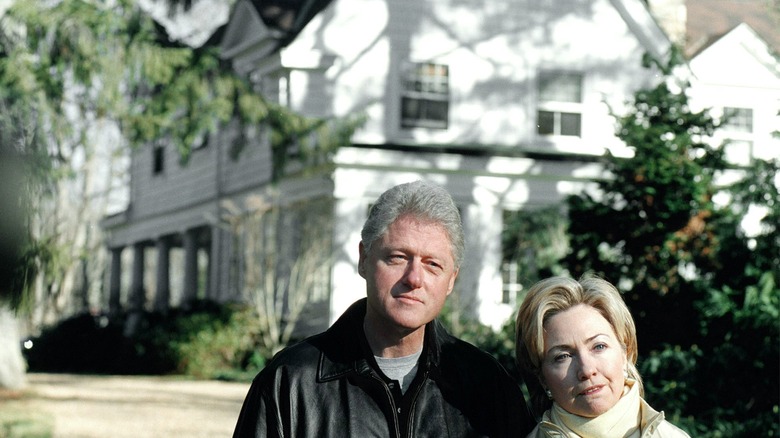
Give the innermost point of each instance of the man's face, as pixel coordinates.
(409, 273)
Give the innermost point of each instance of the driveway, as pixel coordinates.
(132, 406)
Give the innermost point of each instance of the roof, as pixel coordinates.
(708, 20)
(288, 16)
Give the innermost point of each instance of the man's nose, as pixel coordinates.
(414, 273)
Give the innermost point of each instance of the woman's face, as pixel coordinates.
(583, 364)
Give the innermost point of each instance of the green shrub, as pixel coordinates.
(221, 345)
(208, 341)
(81, 344)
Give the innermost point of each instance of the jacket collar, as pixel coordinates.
(344, 348)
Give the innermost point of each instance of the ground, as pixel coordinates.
(68, 405)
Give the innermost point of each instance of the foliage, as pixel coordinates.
(704, 294)
(69, 65)
(499, 343)
(535, 240)
(286, 252)
(650, 231)
(209, 341)
(81, 344)
(21, 169)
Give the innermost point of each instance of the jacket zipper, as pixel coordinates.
(410, 423)
(392, 403)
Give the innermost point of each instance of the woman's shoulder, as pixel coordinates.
(654, 424)
(546, 428)
(666, 429)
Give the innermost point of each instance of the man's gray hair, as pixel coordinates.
(423, 200)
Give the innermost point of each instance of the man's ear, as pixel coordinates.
(361, 260)
(452, 282)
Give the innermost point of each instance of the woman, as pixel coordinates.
(579, 340)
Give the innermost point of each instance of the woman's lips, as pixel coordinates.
(591, 390)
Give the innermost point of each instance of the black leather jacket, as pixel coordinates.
(329, 386)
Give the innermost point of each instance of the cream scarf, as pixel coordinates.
(622, 421)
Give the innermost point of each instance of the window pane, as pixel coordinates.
(410, 109)
(158, 164)
(738, 119)
(570, 124)
(738, 152)
(436, 110)
(545, 122)
(560, 87)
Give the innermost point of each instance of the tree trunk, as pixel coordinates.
(12, 365)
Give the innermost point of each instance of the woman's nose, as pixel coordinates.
(587, 367)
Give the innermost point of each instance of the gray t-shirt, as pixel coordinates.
(401, 369)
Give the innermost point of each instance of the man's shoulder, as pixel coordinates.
(304, 352)
(454, 348)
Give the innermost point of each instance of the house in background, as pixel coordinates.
(737, 77)
(506, 105)
(732, 49)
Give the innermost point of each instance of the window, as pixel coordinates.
(425, 97)
(158, 160)
(737, 129)
(560, 104)
(738, 120)
(512, 285)
(275, 86)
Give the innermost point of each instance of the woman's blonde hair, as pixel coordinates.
(553, 295)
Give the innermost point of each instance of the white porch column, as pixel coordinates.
(347, 286)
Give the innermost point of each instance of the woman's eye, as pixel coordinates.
(600, 347)
(562, 357)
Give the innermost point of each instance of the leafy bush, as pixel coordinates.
(81, 344)
(216, 345)
(209, 341)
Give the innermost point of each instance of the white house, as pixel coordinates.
(738, 76)
(507, 105)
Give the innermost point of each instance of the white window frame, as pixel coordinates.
(427, 84)
(739, 136)
(559, 107)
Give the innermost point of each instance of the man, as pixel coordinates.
(386, 368)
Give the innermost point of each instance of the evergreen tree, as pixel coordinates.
(704, 294)
(650, 230)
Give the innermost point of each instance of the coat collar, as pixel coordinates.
(344, 348)
(649, 421)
